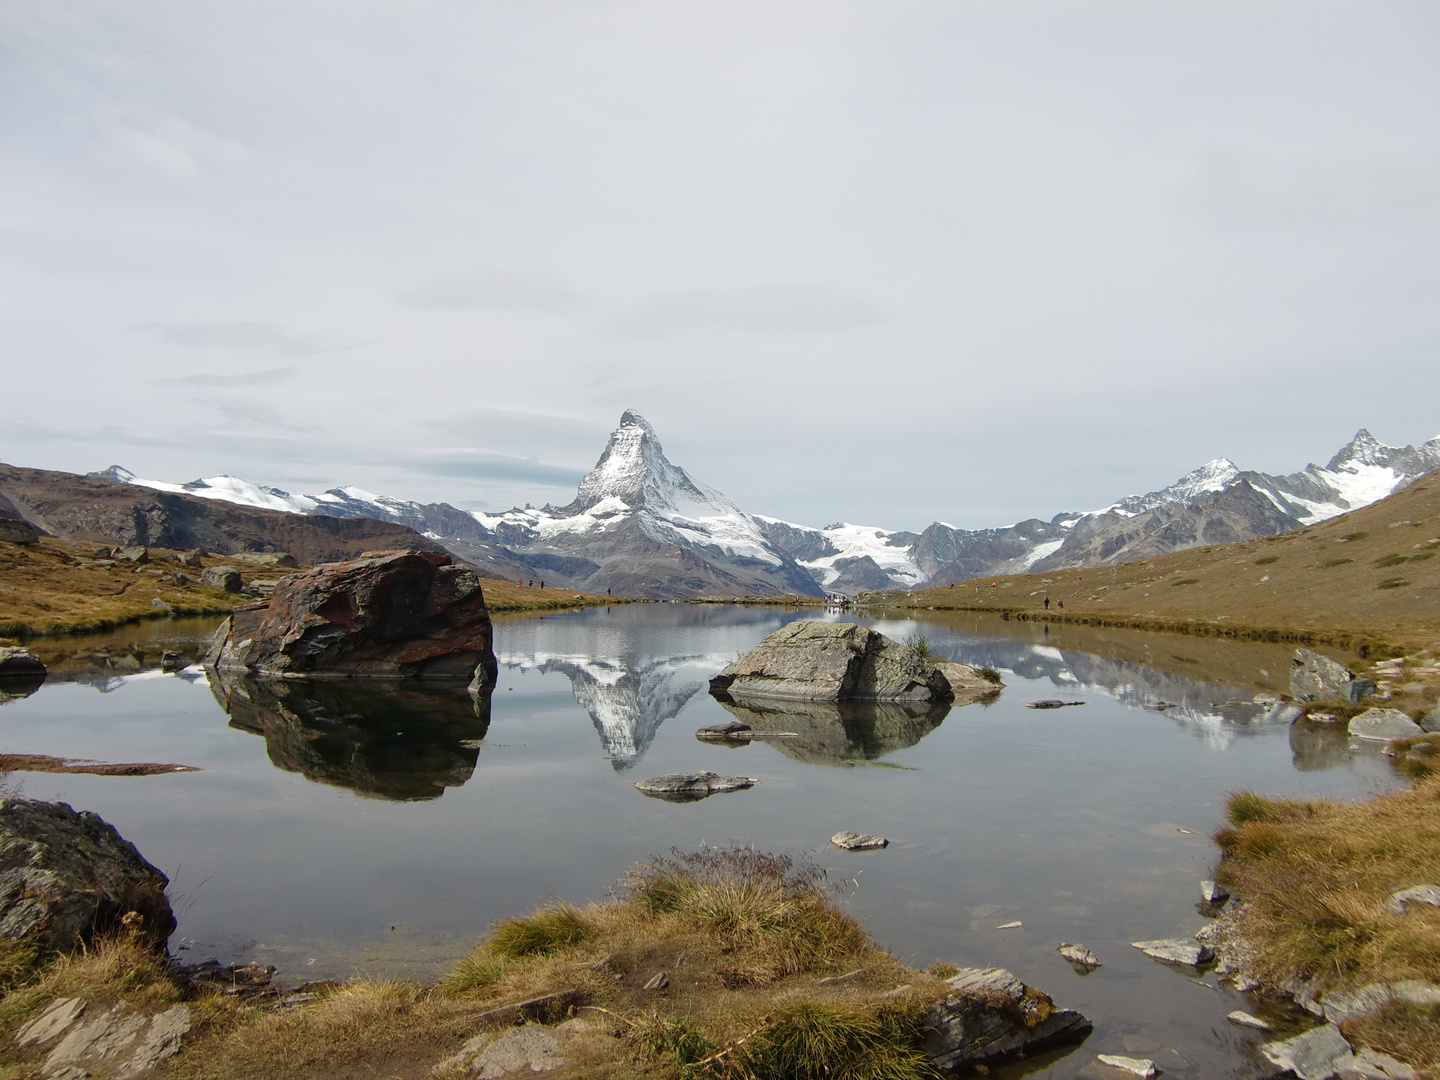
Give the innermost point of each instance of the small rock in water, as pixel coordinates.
(1010, 925)
(1177, 951)
(1139, 1066)
(853, 841)
(1212, 892)
(1417, 894)
(1050, 703)
(1244, 1019)
(683, 787)
(734, 731)
(1078, 955)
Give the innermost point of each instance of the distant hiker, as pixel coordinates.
(607, 592)
(542, 583)
(1061, 605)
(532, 584)
(1047, 603)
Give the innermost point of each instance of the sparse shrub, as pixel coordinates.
(1393, 583)
(476, 971)
(1336, 562)
(1352, 537)
(1422, 556)
(921, 644)
(677, 1040)
(1391, 560)
(1186, 581)
(989, 674)
(1267, 560)
(549, 930)
(1416, 758)
(943, 969)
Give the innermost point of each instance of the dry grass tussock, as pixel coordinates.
(1315, 875)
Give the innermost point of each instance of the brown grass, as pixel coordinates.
(1335, 583)
(1314, 876)
(47, 764)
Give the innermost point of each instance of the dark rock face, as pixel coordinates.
(391, 615)
(66, 876)
(820, 661)
(18, 663)
(404, 742)
(991, 1015)
(14, 529)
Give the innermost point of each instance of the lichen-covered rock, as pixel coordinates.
(1318, 678)
(989, 1014)
(224, 578)
(390, 614)
(821, 661)
(686, 787)
(66, 876)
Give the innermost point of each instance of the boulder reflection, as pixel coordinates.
(827, 733)
(380, 740)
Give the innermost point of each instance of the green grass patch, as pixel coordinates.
(1417, 757)
(549, 930)
(1391, 560)
(1393, 583)
(811, 1039)
(1186, 581)
(1336, 562)
(1267, 560)
(1422, 556)
(1352, 537)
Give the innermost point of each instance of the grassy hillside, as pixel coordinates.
(67, 587)
(1365, 578)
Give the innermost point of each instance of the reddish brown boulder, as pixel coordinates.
(388, 615)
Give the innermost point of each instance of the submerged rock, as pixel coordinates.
(1383, 725)
(820, 661)
(67, 876)
(1078, 955)
(686, 787)
(1314, 677)
(389, 615)
(990, 1015)
(1142, 1067)
(1050, 703)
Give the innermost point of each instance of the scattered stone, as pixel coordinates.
(1139, 1066)
(989, 1014)
(193, 559)
(1078, 955)
(1323, 717)
(224, 578)
(1050, 703)
(658, 981)
(853, 841)
(1416, 894)
(389, 615)
(532, 1048)
(136, 553)
(1245, 1019)
(684, 787)
(1318, 1054)
(1010, 925)
(820, 661)
(1383, 725)
(18, 663)
(1177, 951)
(1373, 1065)
(603, 964)
(67, 876)
(266, 558)
(60, 1014)
(1431, 720)
(1212, 892)
(1342, 1005)
(1318, 678)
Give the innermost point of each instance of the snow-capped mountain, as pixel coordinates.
(642, 526)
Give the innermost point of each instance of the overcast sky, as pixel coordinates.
(888, 262)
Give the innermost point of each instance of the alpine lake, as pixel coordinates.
(333, 830)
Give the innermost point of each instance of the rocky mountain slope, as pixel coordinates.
(642, 526)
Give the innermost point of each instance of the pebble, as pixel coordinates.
(1139, 1066)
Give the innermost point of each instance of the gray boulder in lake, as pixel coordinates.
(822, 661)
(1318, 678)
(990, 1015)
(66, 876)
(687, 787)
(18, 663)
(1384, 725)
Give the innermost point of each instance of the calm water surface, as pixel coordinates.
(333, 830)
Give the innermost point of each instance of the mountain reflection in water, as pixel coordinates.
(380, 740)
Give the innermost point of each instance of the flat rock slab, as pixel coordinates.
(530, 1048)
(853, 841)
(685, 787)
(990, 1015)
(1138, 1066)
(1078, 955)
(119, 1043)
(1384, 725)
(822, 661)
(1417, 894)
(1050, 703)
(1318, 1054)
(1184, 951)
(1245, 1019)
(60, 1014)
